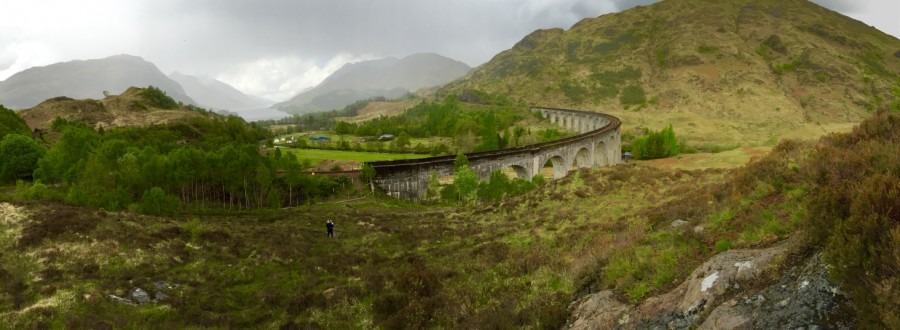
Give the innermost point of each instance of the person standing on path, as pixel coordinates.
(330, 226)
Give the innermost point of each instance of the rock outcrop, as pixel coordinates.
(719, 295)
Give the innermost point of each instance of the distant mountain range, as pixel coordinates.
(389, 77)
(216, 95)
(81, 79)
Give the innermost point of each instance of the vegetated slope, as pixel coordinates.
(719, 71)
(85, 79)
(387, 77)
(134, 107)
(512, 264)
(214, 94)
(836, 198)
(12, 123)
(377, 109)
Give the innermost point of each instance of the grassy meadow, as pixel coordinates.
(316, 156)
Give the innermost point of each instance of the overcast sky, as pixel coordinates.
(273, 48)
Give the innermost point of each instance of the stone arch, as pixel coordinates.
(516, 171)
(601, 154)
(558, 163)
(582, 159)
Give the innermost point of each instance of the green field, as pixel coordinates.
(336, 138)
(317, 155)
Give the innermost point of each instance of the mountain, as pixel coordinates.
(134, 107)
(214, 94)
(81, 79)
(389, 77)
(722, 72)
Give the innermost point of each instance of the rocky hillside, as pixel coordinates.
(719, 71)
(214, 94)
(85, 79)
(134, 107)
(388, 77)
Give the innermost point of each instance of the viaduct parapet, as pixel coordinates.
(599, 144)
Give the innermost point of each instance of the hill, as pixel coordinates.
(81, 79)
(134, 107)
(719, 71)
(214, 94)
(389, 77)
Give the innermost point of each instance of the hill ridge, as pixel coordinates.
(719, 70)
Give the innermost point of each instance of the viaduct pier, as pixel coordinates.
(598, 144)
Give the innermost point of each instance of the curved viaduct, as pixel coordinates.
(599, 144)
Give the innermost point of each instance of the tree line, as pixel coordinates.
(204, 163)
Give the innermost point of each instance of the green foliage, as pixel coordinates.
(434, 119)
(367, 173)
(466, 184)
(610, 81)
(787, 67)
(67, 156)
(662, 56)
(853, 213)
(538, 180)
(632, 95)
(205, 163)
(615, 44)
(11, 123)
(36, 191)
(895, 91)
(723, 245)
(651, 265)
(773, 42)
(461, 161)
(550, 134)
(192, 230)
(500, 186)
(155, 201)
(656, 145)
(706, 49)
(157, 98)
(573, 90)
(19, 157)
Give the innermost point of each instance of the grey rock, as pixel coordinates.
(163, 285)
(802, 299)
(140, 296)
(679, 223)
(121, 300)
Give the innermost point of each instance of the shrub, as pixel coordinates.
(656, 145)
(853, 213)
(157, 98)
(706, 49)
(632, 95)
(11, 123)
(155, 201)
(723, 245)
(367, 173)
(19, 157)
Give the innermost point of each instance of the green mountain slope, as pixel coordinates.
(720, 71)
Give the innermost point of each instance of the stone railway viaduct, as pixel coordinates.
(599, 144)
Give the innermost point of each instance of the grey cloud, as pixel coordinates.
(843, 6)
(221, 31)
(621, 5)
